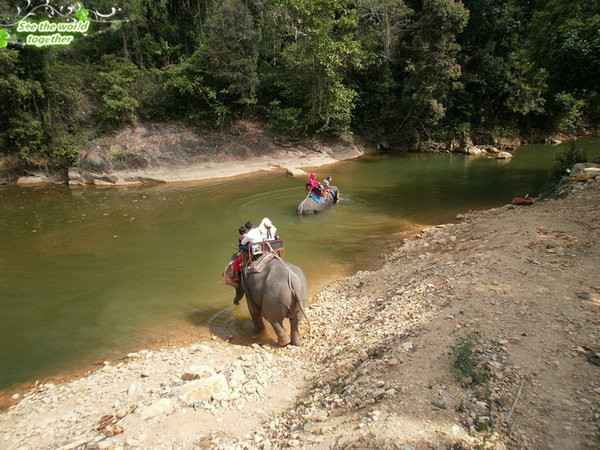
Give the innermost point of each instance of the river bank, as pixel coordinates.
(519, 283)
(170, 152)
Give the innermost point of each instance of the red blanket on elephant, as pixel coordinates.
(229, 276)
(259, 264)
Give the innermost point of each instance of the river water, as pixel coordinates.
(92, 273)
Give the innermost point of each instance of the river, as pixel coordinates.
(92, 273)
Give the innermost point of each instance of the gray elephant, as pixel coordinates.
(277, 292)
(310, 206)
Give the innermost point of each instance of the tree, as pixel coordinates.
(116, 84)
(302, 70)
(566, 37)
(431, 65)
(20, 98)
(500, 84)
(382, 26)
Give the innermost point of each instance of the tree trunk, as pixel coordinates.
(125, 51)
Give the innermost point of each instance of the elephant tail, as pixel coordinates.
(301, 307)
(296, 297)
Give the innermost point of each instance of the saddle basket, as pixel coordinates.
(277, 246)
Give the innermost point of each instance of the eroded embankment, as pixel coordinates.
(168, 152)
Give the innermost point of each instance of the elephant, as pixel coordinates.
(277, 292)
(310, 206)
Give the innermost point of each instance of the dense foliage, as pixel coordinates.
(565, 161)
(396, 71)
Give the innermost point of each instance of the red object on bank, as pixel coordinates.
(523, 201)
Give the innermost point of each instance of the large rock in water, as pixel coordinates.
(504, 155)
(32, 180)
(75, 177)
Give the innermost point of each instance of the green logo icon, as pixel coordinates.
(4, 35)
(82, 14)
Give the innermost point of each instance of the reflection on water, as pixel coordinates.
(86, 272)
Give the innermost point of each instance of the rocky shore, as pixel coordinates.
(481, 333)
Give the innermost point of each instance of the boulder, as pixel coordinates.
(95, 161)
(553, 141)
(203, 390)
(585, 171)
(159, 407)
(589, 173)
(31, 180)
(75, 177)
(473, 151)
(295, 172)
(197, 372)
(504, 155)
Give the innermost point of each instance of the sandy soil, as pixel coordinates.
(518, 286)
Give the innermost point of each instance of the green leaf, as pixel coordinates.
(4, 35)
(82, 14)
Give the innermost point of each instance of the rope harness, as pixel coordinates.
(302, 204)
(324, 194)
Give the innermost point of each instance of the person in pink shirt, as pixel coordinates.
(313, 182)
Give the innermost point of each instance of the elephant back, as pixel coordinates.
(259, 265)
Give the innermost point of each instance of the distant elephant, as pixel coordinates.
(279, 291)
(310, 206)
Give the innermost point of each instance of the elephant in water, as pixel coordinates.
(277, 292)
(310, 206)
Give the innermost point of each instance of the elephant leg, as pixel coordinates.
(282, 337)
(256, 313)
(239, 294)
(295, 325)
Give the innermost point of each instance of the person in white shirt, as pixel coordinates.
(267, 230)
(325, 182)
(252, 236)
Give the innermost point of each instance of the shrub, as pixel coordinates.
(116, 83)
(567, 112)
(465, 360)
(565, 160)
(25, 134)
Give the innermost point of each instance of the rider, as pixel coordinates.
(268, 231)
(252, 236)
(242, 251)
(335, 194)
(314, 186)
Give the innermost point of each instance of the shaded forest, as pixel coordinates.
(403, 72)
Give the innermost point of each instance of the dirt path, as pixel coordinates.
(519, 286)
